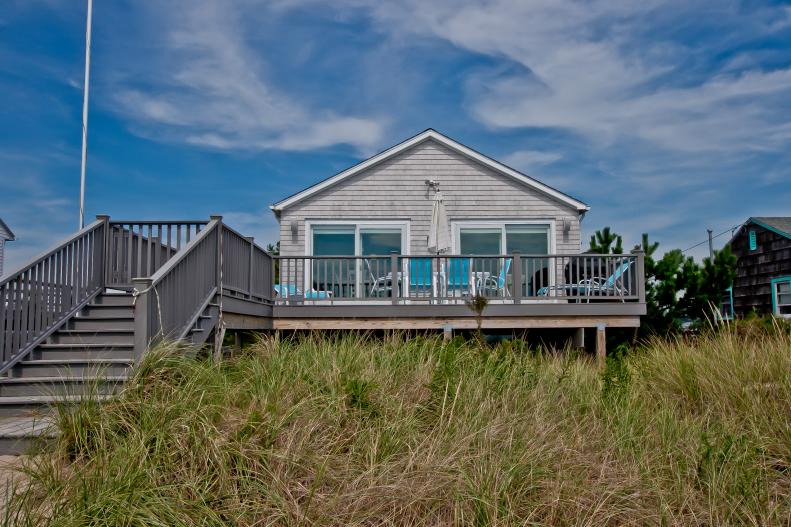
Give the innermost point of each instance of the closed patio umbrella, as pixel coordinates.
(439, 232)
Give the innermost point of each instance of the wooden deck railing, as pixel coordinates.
(139, 248)
(454, 278)
(175, 269)
(217, 259)
(38, 298)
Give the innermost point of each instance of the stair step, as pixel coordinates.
(22, 434)
(71, 367)
(83, 351)
(98, 324)
(106, 336)
(39, 404)
(102, 311)
(114, 300)
(27, 386)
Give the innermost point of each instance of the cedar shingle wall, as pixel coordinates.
(755, 269)
(395, 190)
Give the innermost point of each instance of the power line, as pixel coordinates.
(731, 229)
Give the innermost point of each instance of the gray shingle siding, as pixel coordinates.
(396, 190)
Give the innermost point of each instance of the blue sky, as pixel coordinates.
(666, 117)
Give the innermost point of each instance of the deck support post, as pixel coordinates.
(601, 344)
(516, 287)
(578, 340)
(394, 289)
(251, 241)
(447, 332)
(142, 286)
(106, 260)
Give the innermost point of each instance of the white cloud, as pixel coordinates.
(210, 87)
(527, 160)
(588, 68)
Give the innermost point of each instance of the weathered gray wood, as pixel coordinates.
(756, 268)
(396, 190)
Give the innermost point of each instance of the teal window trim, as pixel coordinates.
(774, 283)
(753, 240)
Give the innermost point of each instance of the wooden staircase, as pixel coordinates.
(70, 325)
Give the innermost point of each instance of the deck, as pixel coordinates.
(432, 292)
(191, 279)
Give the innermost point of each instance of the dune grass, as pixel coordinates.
(352, 430)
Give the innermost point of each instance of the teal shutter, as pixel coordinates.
(753, 241)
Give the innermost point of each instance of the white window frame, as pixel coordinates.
(404, 225)
(363, 223)
(776, 295)
(457, 225)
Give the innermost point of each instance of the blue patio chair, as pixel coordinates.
(459, 274)
(420, 273)
(612, 285)
(500, 283)
(289, 290)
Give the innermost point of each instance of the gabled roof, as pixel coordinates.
(5, 232)
(779, 224)
(444, 140)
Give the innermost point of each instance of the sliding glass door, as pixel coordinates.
(504, 238)
(333, 275)
(530, 240)
(370, 276)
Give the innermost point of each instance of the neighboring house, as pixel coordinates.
(763, 272)
(5, 236)
(385, 204)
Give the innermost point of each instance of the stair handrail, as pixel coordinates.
(166, 301)
(39, 297)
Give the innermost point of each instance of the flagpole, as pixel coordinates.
(85, 113)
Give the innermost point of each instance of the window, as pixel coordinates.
(492, 238)
(333, 240)
(753, 241)
(501, 237)
(781, 296)
(350, 277)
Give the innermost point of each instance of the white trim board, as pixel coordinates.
(448, 142)
(456, 226)
(404, 225)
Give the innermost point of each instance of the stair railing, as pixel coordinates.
(166, 302)
(39, 298)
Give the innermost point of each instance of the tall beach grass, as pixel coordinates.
(353, 430)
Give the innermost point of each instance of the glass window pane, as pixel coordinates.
(333, 240)
(477, 240)
(527, 239)
(380, 241)
(530, 239)
(332, 275)
(784, 287)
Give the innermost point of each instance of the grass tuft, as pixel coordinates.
(353, 430)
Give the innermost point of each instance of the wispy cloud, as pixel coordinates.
(210, 87)
(528, 160)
